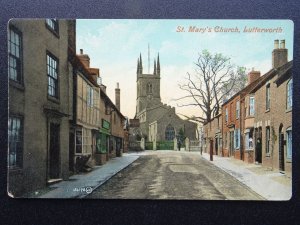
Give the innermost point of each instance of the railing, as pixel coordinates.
(165, 145)
(148, 145)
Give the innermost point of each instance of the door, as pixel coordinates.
(281, 149)
(231, 143)
(71, 151)
(216, 145)
(54, 151)
(258, 146)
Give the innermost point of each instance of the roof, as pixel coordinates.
(245, 90)
(281, 72)
(88, 72)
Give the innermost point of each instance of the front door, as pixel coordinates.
(281, 151)
(216, 145)
(54, 151)
(258, 145)
(231, 143)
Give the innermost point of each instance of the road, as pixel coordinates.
(173, 175)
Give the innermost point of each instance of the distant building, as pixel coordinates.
(212, 134)
(40, 102)
(158, 121)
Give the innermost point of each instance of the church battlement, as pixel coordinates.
(156, 67)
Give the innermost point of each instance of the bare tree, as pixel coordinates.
(214, 79)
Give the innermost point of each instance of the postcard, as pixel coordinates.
(150, 109)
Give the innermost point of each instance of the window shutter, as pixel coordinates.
(239, 138)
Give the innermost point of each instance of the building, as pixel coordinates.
(234, 114)
(213, 135)
(158, 121)
(86, 113)
(273, 113)
(40, 102)
(98, 132)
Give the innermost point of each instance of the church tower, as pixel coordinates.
(148, 86)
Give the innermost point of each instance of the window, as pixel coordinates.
(268, 140)
(249, 139)
(237, 138)
(15, 134)
(14, 55)
(90, 96)
(289, 143)
(231, 112)
(83, 141)
(252, 106)
(52, 72)
(52, 24)
(289, 96)
(237, 109)
(268, 97)
(78, 141)
(226, 115)
(169, 133)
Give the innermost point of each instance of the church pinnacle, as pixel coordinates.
(158, 65)
(154, 72)
(139, 65)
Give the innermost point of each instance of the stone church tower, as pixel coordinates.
(148, 86)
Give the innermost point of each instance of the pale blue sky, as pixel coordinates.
(114, 46)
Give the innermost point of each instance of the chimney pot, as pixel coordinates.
(282, 44)
(117, 85)
(276, 44)
(81, 51)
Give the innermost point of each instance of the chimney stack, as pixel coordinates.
(279, 55)
(117, 96)
(85, 59)
(253, 76)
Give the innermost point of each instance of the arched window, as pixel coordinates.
(169, 133)
(149, 88)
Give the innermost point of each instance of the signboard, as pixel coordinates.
(105, 124)
(134, 122)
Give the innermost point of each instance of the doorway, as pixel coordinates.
(54, 169)
(231, 143)
(216, 145)
(258, 145)
(281, 149)
(71, 151)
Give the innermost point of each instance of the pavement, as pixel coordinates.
(81, 185)
(271, 185)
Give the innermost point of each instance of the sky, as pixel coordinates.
(114, 45)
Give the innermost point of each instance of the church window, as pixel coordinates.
(149, 88)
(169, 133)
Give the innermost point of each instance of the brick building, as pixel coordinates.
(273, 113)
(234, 119)
(40, 102)
(213, 135)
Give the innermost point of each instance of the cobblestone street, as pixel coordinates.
(173, 175)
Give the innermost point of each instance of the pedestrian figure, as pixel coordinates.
(178, 144)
